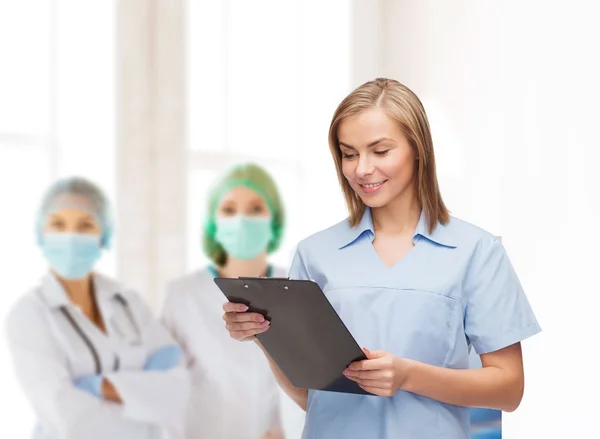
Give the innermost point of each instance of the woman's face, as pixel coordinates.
(242, 201)
(377, 159)
(244, 227)
(71, 242)
(70, 220)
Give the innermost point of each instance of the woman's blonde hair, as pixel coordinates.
(404, 107)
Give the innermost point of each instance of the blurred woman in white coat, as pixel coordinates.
(90, 356)
(234, 393)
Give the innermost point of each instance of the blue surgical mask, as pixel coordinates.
(244, 237)
(71, 255)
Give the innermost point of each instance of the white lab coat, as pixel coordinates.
(49, 353)
(234, 392)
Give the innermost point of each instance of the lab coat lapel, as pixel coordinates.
(52, 292)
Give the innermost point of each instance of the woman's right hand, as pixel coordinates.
(110, 393)
(243, 325)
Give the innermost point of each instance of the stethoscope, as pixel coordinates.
(88, 342)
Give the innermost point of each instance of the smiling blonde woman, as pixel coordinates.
(415, 286)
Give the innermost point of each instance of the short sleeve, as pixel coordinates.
(298, 270)
(497, 313)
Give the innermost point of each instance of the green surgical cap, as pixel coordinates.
(253, 177)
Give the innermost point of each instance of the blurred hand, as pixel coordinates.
(164, 358)
(243, 325)
(110, 392)
(381, 373)
(98, 386)
(91, 384)
(273, 435)
(492, 433)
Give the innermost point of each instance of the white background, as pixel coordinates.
(511, 89)
(512, 92)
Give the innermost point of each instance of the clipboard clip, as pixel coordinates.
(280, 279)
(263, 277)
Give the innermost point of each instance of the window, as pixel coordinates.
(56, 119)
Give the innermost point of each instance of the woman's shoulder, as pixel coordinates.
(278, 271)
(108, 287)
(113, 291)
(469, 242)
(27, 312)
(190, 280)
(327, 237)
(465, 233)
(188, 284)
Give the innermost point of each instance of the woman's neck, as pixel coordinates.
(245, 268)
(78, 290)
(399, 217)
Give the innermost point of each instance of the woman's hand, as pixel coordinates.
(273, 435)
(91, 384)
(381, 373)
(243, 325)
(110, 392)
(164, 358)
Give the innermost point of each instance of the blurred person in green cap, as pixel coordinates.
(234, 393)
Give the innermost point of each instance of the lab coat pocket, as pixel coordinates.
(408, 323)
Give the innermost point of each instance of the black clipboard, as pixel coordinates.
(306, 339)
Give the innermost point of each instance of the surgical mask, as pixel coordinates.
(244, 237)
(71, 255)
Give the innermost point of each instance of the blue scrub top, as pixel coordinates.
(456, 288)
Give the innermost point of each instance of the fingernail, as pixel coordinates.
(260, 319)
(245, 308)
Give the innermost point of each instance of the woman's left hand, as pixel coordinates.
(381, 374)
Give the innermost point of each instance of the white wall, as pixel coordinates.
(512, 89)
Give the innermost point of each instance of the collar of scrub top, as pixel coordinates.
(440, 235)
(215, 273)
(55, 296)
